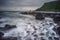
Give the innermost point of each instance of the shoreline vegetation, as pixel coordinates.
(50, 6)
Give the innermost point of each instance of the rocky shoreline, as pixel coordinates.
(46, 25)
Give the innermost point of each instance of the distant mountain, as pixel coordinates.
(50, 6)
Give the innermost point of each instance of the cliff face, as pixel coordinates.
(50, 6)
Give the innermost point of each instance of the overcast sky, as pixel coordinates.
(21, 5)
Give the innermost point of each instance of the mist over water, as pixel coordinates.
(28, 26)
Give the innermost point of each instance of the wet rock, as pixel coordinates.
(56, 19)
(41, 33)
(53, 34)
(54, 29)
(0, 17)
(28, 31)
(7, 26)
(42, 38)
(28, 39)
(35, 35)
(1, 28)
(50, 38)
(35, 38)
(1, 22)
(33, 32)
(34, 28)
(58, 30)
(1, 35)
(55, 38)
(39, 17)
(10, 38)
(29, 23)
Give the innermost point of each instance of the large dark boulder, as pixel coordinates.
(1, 22)
(1, 35)
(56, 19)
(1, 28)
(58, 30)
(7, 26)
(10, 38)
(39, 16)
(0, 17)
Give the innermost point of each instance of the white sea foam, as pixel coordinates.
(27, 23)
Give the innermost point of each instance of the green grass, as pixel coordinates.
(50, 6)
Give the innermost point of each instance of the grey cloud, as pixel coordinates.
(22, 2)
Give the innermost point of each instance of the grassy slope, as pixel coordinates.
(50, 6)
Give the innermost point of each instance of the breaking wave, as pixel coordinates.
(28, 28)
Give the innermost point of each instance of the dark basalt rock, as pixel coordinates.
(53, 34)
(50, 38)
(28, 38)
(10, 38)
(0, 17)
(1, 22)
(58, 30)
(28, 31)
(34, 28)
(39, 17)
(54, 29)
(7, 26)
(56, 19)
(35, 35)
(1, 28)
(35, 38)
(41, 33)
(1, 35)
(42, 38)
(56, 38)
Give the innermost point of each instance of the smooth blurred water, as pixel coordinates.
(26, 23)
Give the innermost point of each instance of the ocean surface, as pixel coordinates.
(28, 28)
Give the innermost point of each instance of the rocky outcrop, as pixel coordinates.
(10, 38)
(7, 27)
(1, 35)
(39, 16)
(56, 19)
(58, 30)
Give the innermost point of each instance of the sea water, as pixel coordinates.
(28, 28)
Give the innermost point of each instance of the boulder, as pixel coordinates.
(10, 38)
(58, 30)
(0, 17)
(1, 28)
(1, 35)
(7, 26)
(50, 38)
(56, 38)
(1, 22)
(56, 19)
(39, 16)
